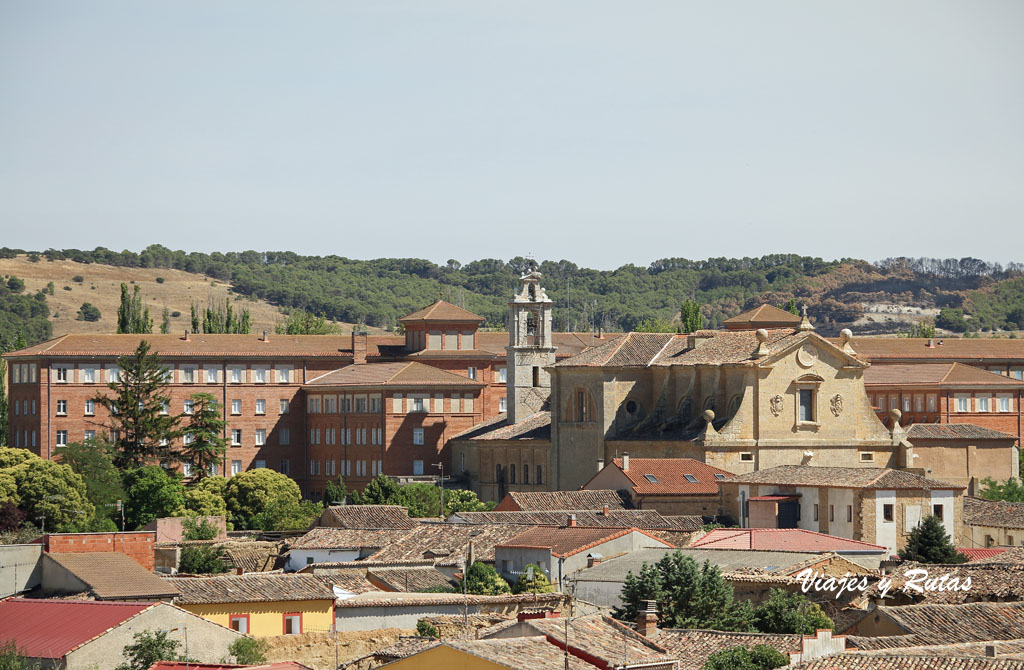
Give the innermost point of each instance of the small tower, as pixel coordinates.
(530, 349)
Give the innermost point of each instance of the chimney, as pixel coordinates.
(600, 464)
(186, 335)
(605, 511)
(625, 461)
(647, 620)
(931, 343)
(358, 347)
(265, 338)
(593, 559)
(572, 521)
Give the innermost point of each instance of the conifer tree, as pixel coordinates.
(132, 317)
(165, 321)
(139, 409)
(929, 543)
(690, 316)
(204, 444)
(195, 318)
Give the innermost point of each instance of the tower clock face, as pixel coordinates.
(807, 356)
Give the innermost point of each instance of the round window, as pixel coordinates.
(631, 407)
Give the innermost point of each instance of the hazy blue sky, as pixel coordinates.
(602, 132)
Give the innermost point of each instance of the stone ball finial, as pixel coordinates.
(895, 414)
(709, 415)
(762, 335)
(845, 335)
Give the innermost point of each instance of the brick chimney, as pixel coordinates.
(625, 461)
(265, 338)
(605, 510)
(647, 620)
(358, 347)
(186, 335)
(593, 559)
(572, 521)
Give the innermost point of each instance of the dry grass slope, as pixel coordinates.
(101, 286)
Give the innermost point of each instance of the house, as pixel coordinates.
(792, 539)
(753, 573)
(964, 453)
(377, 609)
(448, 545)
(693, 647)
(535, 653)
(81, 635)
(103, 576)
(668, 485)
(927, 624)
(259, 604)
(367, 517)
(998, 578)
(137, 545)
(873, 505)
(326, 545)
(574, 501)
(172, 529)
(563, 551)
(992, 523)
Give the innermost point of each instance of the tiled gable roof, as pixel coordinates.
(537, 426)
(603, 638)
(780, 539)
(535, 653)
(562, 500)
(347, 538)
(670, 476)
(952, 348)
(693, 646)
(939, 375)
(996, 513)
(999, 577)
(197, 346)
(902, 661)
(856, 478)
(955, 431)
(446, 542)
(717, 347)
(252, 588)
(945, 624)
(981, 554)
(368, 517)
(408, 579)
(113, 576)
(253, 556)
(404, 374)
(761, 316)
(615, 518)
(626, 351)
(568, 540)
(442, 311)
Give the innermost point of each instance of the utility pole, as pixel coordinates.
(441, 467)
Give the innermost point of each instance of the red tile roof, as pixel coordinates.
(442, 311)
(392, 375)
(670, 475)
(780, 539)
(939, 375)
(955, 431)
(952, 348)
(762, 316)
(569, 540)
(32, 623)
(981, 554)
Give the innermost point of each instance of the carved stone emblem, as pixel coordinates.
(807, 356)
(837, 404)
(776, 404)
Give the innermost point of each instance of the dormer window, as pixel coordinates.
(652, 479)
(691, 479)
(719, 476)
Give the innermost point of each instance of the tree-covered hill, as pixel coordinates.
(377, 292)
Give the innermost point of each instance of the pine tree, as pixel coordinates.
(195, 318)
(132, 317)
(690, 316)
(139, 408)
(929, 543)
(165, 321)
(204, 444)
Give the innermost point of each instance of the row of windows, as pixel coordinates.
(259, 439)
(23, 407)
(184, 374)
(961, 403)
(421, 402)
(501, 471)
(332, 435)
(23, 373)
(344, 404)
(330, 468)
(436, 339)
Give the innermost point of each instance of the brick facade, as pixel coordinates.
(139, 545)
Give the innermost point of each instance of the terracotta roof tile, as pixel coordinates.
(937, 375)
(693, 646)
(855, 478)
(727, 347)
(392, 375)
(535, 653)
(401, 599)
(442, 311)
(447, 543)
(615, 518)
(530, 501)
(763, 316)
(198, 345)
(568, 540)
(997, 513)
(780, 539)
(349, 538)
(897, 661)
(113, 576)
(602, 638)
(368, 517)
(952, 348)
(252, 588)
(629, 350)
(408, 579)
(955, 431)
(946, 624)
(537, 426)
(980, 554)
(992, 578)
(670, 476)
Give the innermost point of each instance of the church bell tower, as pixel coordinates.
(530, 349)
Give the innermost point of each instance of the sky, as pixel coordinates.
(603, 132)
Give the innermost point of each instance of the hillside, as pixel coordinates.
(957, 295)
(101, 287)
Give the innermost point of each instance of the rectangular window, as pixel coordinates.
(887, 512)
(284, 374)
(286, 467)
(259, 463)
(236, 375)
(240, 622)
(284, 406)
(502, 374)
(418, 405)
(502, 404)
(190, 406)
(471, 372)
(375, 403)
(361, 404)
(284, 436)
(261, 406)
(165, 407)
(984, 404)
(90, 434)
(211, 375)
(932, 403)
(236, 437)
(236, 468)
(919, 403)
(188, 439)
(866, 456)
(1016, 373)
(62, 438)
(1003, 403)
(467, 404)
(89, 375)
(236, 406)
(186, 469)
(417, 436)
(62, 374)
(468, 339)
(746, 456)
(963, 403)
(434, 339)
(62, 407)
(807, 405)
(259, 375)
(417, 467)
(261, 437)
(293, 624)
(451, 340)
(849, 514)
(526, 473)
(831, 513)
(906, 403)
(815, 511)
(937, 511)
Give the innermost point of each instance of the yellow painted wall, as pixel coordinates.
(444, 657)
(267, 619)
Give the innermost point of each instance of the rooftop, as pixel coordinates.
(671, 476)
(762, 316)
(930, 624)
(901, 661)
(113, 576)
(442, 311)
(693, 647)
(537, 426)
(937, 375)
(947, 348)
(348, 538)
(562, 500)
(30, 623)
(567, 540)
(408, 579)
(615, 518)
(849, 478)
(402, 374)
(368, 517)
(600, 637)
(252, 588)
(448, 543)
(995, 513)
(781, 539)
(535, 653)
(955, 431)
(993, 578)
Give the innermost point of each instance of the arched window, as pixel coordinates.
(540, 475)
(512, 473)
(498, 475)
(526, 473)
(581, 406)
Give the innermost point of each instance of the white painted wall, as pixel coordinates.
(808, 499)
(945, 498)
(885, 531)
(298, 558)
(744, 495)
(840, 499)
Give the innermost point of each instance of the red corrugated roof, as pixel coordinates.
(981, 554)
(780, 539)
(52, 628)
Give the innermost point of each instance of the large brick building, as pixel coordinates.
(311, 406)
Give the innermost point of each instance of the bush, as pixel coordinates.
(484, 580)
(159, 280)
(78, 279)
(15, 284)
(249, 651)
(426, 629)
(201, 559)
(250, 494)
(539, 584)
(67, 288)
(761, 657)
(88, 312)
(175, 314)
